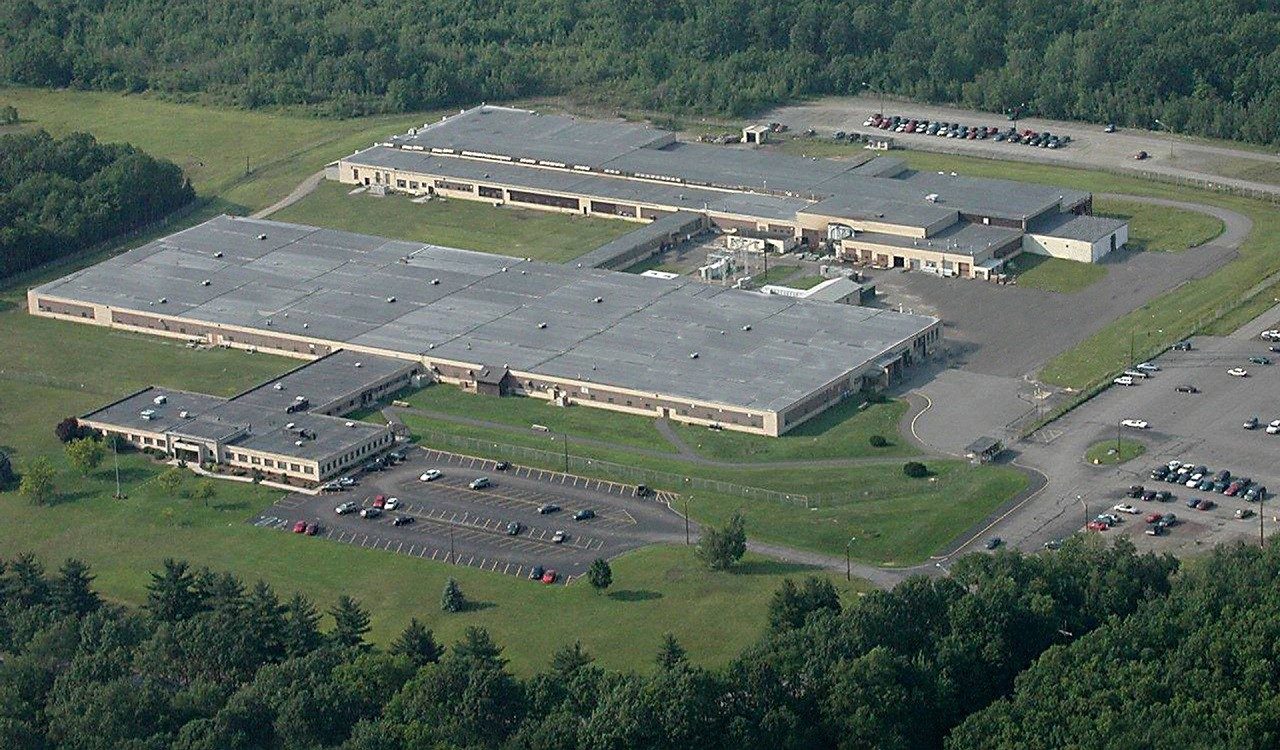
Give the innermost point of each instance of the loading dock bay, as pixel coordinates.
(453, 523)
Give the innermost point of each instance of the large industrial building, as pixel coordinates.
(878, 212)
(574, 335)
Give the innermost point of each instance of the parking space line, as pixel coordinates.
(434, 552)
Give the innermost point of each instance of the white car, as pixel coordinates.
(392, 503)
(558, 537)
(1274, 427)
(431, 475)
(1147, 367)
(1272, 335)
(1126, 508)
(1174, 464)
(1137, 374)
(1124, 380)
(1238, 372)
(1137, 424)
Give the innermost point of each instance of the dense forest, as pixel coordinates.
(210, 662)
(58, 196)
(1201, 66)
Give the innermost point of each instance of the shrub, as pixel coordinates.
(877, 441)
(915, 469)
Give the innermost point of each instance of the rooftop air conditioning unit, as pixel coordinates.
(147, 413)
(262, 236)
(290, 426)
(159, 400)
(391, 299)
(435, 282)
(351, 424)
(298, 443)
(358, 364)
(541, 326)
(932, 197)
(693, 355)
(218, 254)
(163, 300)
(299, 398)
(184, 414)
(204, 283)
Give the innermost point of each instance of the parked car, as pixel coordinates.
(331, 487)
(1238, 372)
(1182, 346)
(1206, 504)
(1125, 508)
(1187, 389)
(502, 466)
(1110, 128)
(1233, 489)
(1124, 380)
(1153, 517)
(300, 527)
(1164, 496)
(1148, 496)
(402, 520)
(994, 542)
(1097, 526)
(312, 529)
(1157, 530)
(1260, 360)
(345, 508)
(1273, 427)
(550, 577)
(1147, 367)
(1251, 423)
(348, 482)
(548, 509)
(431, 475)
(480, 483)
(1193, 502)
(1169, 519)
(643, 490)
(379, 501)
(584, 515)
(536, 573)
(1053, 544)
(370, 512)
(1243, 513)
(1135, 491)
(1141, 155)
(513, 528)
(391, 504)
(1137, 424)
(559, 537)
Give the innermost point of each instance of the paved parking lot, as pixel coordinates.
(453, 523)
(1202, 428)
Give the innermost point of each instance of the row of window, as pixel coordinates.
(357, 454)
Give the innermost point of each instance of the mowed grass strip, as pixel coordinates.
(1169, 317)
(524, 413)
(1161, 228)
(1055, 274)
(470, 225)
(843, 431)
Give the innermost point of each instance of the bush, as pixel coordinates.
(877, 441)
(70, 429)
(451, 599)
(915, 469)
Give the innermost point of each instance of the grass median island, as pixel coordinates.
(1161, 228)
(1055, 274)
(775, 275)
(470, 225)
(1114, 452)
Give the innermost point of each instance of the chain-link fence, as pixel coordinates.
(592, 467)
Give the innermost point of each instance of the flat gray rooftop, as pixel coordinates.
(959, 239)
(645, 152)
(654, 231)
(325, 380)
(481, 309)
(1073, 227)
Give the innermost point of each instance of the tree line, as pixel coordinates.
(1200, 66)
(60, 195)
(212, 662)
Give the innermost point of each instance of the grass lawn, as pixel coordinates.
(775, 275)
(522, 413)
(902, 520)
(211, 144)
(654, 263)
(1105, 451)
(521, 232)
(1161, 228)
(1165, 319)
(842, 431)
(1055, 274)
(805, 282)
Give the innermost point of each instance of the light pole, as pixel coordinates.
(848, 562)
(1168, 130)
(115, 454)
(1262, 537)
(686, 520)
(1084, 509)
(565, 437)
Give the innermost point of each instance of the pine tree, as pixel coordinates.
(477, 646)
(171, 595)
(600, 575)
(265, 617)
(301, 632)
(570, 659)
(350, 623)
(452, 599)
(671, 654)
(24, 581)
(417, 643)
(73, 592)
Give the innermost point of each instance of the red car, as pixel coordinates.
(299, 527)
(1153, 517)
(312, 529)
(549, 576)
(1097, 526)
(379, 501)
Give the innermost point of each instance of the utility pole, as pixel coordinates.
(565, 437)
(1085, 509)
(246, 165)
(686, 520)
(848, 563)
(1119, 424)
(115, 453)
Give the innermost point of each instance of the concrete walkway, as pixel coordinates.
(303, 189)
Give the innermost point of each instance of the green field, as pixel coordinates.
(775, 275)
(212, 145)
(1161, 228)
(805, 282)
(1055, 274)
(1111, 452)
(470, 225)
(824, 147)
(1167, 318)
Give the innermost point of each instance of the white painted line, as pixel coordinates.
(473, 557)
(434, 552)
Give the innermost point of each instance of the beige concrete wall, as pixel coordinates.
(1077, 250)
